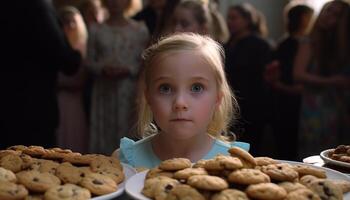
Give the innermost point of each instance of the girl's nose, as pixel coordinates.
(180, 103)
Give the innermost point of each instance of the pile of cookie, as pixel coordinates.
(341, 153)
(240, 176)
(33, 172)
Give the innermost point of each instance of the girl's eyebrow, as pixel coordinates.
(200, 78)
(197, 78)
(161, 78)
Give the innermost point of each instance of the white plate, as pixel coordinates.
(135, 184)
(128, 172)
(327, 159)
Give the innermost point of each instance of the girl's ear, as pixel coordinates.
(219, 98)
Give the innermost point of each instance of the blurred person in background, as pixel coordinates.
(247, 53)
(279, 74)
(93, 12)
(151, 14)
(322, 64)
(197, 17)
(72, 132)
(114, 57)
(35, 50)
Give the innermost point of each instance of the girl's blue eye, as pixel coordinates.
(196, 88)
(164, 89)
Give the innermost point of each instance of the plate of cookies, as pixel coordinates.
(339, 156)
(55, 173)
(240, 175)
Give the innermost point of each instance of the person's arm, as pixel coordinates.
(51, 39)
(302, 60)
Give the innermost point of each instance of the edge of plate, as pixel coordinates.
(128, 181)
(118, 192)
(326, 159)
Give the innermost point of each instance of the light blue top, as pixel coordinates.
(140, 153)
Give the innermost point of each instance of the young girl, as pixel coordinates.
(198, 16)
(114, 57)
(72, 132)
(185, 102)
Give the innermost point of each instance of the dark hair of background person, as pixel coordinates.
(294, 17)
(331, 46)
(256, 20)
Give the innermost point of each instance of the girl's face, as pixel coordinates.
(329, 16)
(235, 22)
(184, 21)
(182, 94)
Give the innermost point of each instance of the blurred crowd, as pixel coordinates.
(70, 73)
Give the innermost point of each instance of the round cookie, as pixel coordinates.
(67, 192)
(291, 186)
(344, 185)
(35, 151)
(163, 187)
(98, 184)
(280, 172)
(307, 180)
(302, 194)
(69, 173)
(7, 175)
(102, 162)
(186, 173)
(150, 184)
(154, 172)
(80, 159)
(248, 159)
(184, 192)
(261, 161)
(199, 163)
(37, 181)
(308, 170)
(248, 177)
(17, 147)
(12, 162)
(115, 173)
(175, 164)
(266, 191)
(10, 191)
(207, 182)
(48, 166)
(230, 194)
(326, 189)
(222, 162)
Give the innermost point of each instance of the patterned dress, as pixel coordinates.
(113, 100)
(325, 117)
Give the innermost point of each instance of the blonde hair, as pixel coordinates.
(213, 54)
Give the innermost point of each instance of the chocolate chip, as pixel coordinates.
(168, 187)
(35, 179)
(327, 191)
(97, 182)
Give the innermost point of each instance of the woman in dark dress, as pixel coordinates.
(247, 53)
(287, 93)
